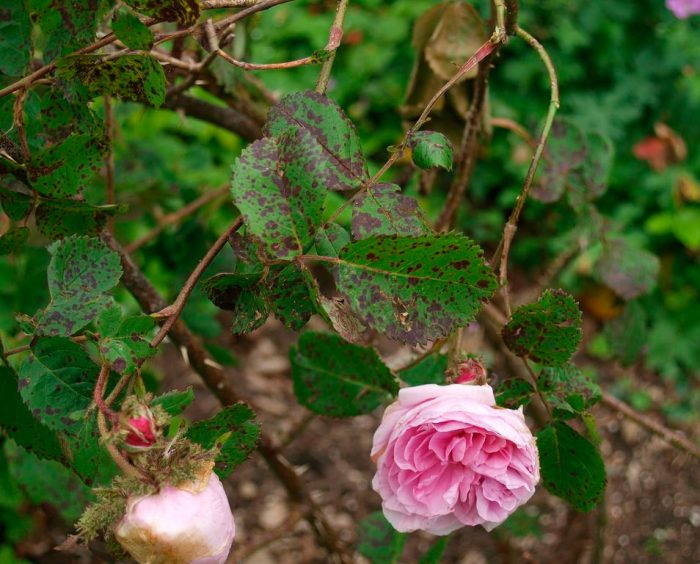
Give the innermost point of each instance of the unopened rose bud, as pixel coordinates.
(471, 370)
(179, 526)
(140, 426)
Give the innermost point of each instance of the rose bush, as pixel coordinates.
(447, 457)
(192, 525)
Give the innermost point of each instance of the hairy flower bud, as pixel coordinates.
(471, 370)
(140, 426)
(179, 526)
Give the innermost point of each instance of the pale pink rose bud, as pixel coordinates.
(683, 8)
(140, 426)
(447, 457)
(179, 526)
(471, 370)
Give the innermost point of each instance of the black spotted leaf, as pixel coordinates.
(383, 210)
(513, 392)
(431, 149)
(184, 12)
(13, 240)
(81, 271)
(276, 188)
(17, 422)
(66, 25)
(415, 289)
(568, 390)
(62, 218)
(139, 78)
(234, 431)
(626, 268)
(289, 297)
(571, 466)
(331, 239)
(430, 370)
(547, 331)
(126, 344)
(132, 32)
(378, 541)
(332, 137)
(242, 294)
(334, 377)
(15, 38)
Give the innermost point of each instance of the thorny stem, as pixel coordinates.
(501, 254)
(174, 310)
(98, 394)
(334, 39)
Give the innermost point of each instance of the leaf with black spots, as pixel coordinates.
(384, 210)
(415, 289)
(67, 25)
(289, 297)
(332, 137)
(331, 239)
(513, 393)
(626, 268)
(430, 370)
(15, 38)
(568, 390)
(334, 377)
(431, 149)
(80, 272)
(132, 31)
(139, 78)
(184, 12)
(61, 218)
(13, 240)
(571, 466)
(234, 431)
(242, 294)
(547, 331)
(16, 205)
(276, 188)
(378, 541)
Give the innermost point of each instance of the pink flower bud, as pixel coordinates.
(141, 432)
(471, 370)
(179, 526)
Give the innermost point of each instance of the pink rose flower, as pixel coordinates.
(447, 457)
(179, 526)
(683, 8)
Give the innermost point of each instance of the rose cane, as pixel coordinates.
(447, 457)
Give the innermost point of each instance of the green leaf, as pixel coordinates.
(17, 422)
(331, 239)
(80, 272)
(132, 32)
(571, 466)
(15, 38)
(175, 402)
(329, 135)
(431, 149)
(626, 268)
(289, 297)
(139, 78)
(628, 333)
(378, 541)
(334, 377)
(435, 552)
(67, 25)
(13, 240)
(415, 289)
(568, 390)
(384, 210)
(243, 295)
(233, 430)
(513, 393)
(124, 343)
(184, 12)
(430, 370)
(16, 205)
(61, 218)
(547, 331)
(277, 190)
(46, 481)
(63, 170)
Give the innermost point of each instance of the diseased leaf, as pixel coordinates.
(431, 149)
(513, 393)
(280, 199)
(331, 137)
(334, 377)
(378, 541)
(233, 430)
(415, 289)
(139, 78)
(571, 466)
(565, 152)
(132, 32)
(15, 38)
(16, 205)
(184, 12)
(289, 297)
(331, 239)
(63, 170)
(384, 210)
(13, 240)
(590, 179)
(67, 25)
(243, 295)
(62, 218)
(430, 370)
(80, 272)
(17, 422)
(547, 331)
(626, 268)
(568, 390)
(343, 320)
